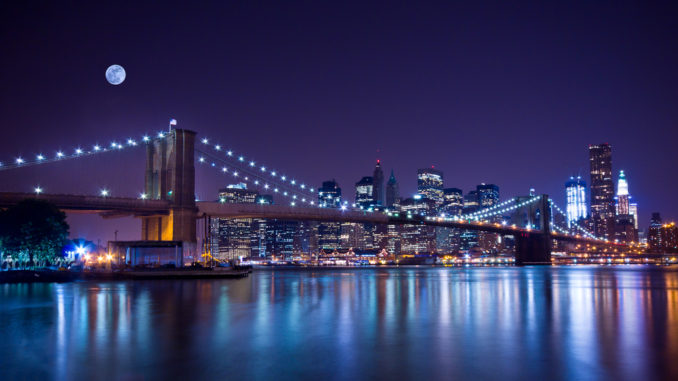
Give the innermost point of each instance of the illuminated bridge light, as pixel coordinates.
(104, 192)
(40, 157)
(283, 178)
(263, 169)
(146, 138)
(78, 151)
(60, 154)
(161, 135)
(202, 159)
(205, 141)
(217, 147)
(143, 196)
(38, 190)
(251, 164)
(229, 153)
(224, 169)
(273, 173)
(241, 158)
(97, 148)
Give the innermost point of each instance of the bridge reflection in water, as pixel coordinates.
(483, 323)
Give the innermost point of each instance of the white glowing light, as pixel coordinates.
(104, 192)
(205, 141)
(38, 190)
(60, 154)
(146, 138)
(40, 157)
(78, 151)
(97, 148)
(143, 196)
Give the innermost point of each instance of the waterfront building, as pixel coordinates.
(392, 192)
(418, 239)
(602, 189)
(430, 184)
(364, 190)
(378, 195)
(575, 190)
(329, 233)
(654, 232)
(232, 237)
(669, 237)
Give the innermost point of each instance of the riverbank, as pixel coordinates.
(60, 276)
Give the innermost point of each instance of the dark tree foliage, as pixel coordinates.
(33, 232)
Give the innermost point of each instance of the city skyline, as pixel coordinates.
(519, 125)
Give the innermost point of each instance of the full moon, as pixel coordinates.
(115, 74)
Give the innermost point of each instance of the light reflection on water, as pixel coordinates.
(570, 323)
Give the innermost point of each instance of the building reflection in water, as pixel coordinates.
(440, 323)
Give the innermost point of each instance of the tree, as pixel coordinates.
(33, 232)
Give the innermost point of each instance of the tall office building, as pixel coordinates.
(430, 184)
(329, 233)
(364, 190)
(575, 190)
(392, 192)
(453, 201)
(234, 236)
(633, 210)
(378, 185)
(329, 195)
(488, 195)
(622, 195)
(602, 189)
(654, 232)
(471, 203)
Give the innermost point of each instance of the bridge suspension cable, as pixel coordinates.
(77, 152)
(270, 173)
(249, 176)
(497, 209)
(583, 230)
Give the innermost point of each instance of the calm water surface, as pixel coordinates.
(559, 323)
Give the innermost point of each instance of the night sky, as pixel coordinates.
(487, 92)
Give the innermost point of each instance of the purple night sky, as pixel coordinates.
(487, 92)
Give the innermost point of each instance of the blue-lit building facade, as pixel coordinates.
(576, 207)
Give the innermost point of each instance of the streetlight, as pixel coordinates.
(104, 192)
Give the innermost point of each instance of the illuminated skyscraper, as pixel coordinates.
(430, 184)
(575, 190)
(602, 189)
(329, 233)
(622, 195)
(633, 210)
(453, 202)
(392, 192)
(364, 189)
(378, 185)
(233, 237)
(488, 195)
(329, 195)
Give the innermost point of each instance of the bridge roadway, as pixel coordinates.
(122, 206)
(109, 206)
(224, 210)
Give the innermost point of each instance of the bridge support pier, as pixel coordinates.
(170, 175)
(533, 249)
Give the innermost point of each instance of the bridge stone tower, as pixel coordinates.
(170, 175)
(534, 248)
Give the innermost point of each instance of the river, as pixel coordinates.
(419, 323)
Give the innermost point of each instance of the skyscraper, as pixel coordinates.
(329, 233)
(378, 185)
(575, 190)
(654, 232)
(430, 184)
(234, 236)
(453, 201)
(488, 195)
(364, 190)
(329, 195)
(602, 189)
(392, 192)
(622, 195)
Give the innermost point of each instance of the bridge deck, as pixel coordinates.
(90, 204)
